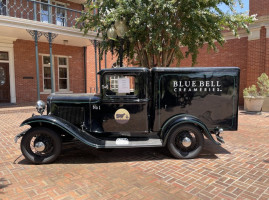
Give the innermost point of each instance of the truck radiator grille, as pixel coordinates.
(74, 115)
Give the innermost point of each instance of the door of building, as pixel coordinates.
(4, 83)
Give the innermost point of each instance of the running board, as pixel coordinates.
(121, 142)
(131, 143)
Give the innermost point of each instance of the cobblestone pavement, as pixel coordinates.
(238, 169)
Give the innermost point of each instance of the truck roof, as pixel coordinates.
(193, 69)
(168, 69)
(124, 69)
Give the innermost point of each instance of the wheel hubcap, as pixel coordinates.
(40, 146)
(186, 142)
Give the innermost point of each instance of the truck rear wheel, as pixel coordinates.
(185, 141)
(41, 145)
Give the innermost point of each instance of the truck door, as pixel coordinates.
(125, 102)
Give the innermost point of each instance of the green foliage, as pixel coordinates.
(158, 28)
(251, 91)
(263, 85)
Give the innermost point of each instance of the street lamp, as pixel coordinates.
(118, 31)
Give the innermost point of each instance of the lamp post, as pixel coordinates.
(118, 31)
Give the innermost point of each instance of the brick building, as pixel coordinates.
(250, 52)
(28, 27)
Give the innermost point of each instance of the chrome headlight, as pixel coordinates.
(40, 106)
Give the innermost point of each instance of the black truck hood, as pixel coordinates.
(73, 98)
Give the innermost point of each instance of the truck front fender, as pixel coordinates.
(63, 125)
(184, 119)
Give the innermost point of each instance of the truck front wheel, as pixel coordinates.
(41, 145)
(185, 141)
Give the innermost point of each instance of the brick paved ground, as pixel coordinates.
(237, 170)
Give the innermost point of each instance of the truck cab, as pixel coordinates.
(125, 101)
(139, 107)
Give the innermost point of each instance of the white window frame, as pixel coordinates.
(114, 85)
(49, 13)
(63, 66)
(65, 14)
(6, 14)
(47, 65)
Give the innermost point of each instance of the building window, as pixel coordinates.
(3, 7)
(46, 73)
(3, 55)
(45, 12)
(2, 76)
(60, 14)
(63, 73)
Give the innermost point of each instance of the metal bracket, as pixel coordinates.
(94, 42)
(53, 36)
(32, 33)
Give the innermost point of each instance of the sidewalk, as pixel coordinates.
(12, 108)
(239, 169)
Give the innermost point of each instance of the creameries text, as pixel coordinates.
(197, 86)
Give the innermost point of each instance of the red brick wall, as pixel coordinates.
(91, 78)
(24, 60)
(256, 58)
(233, 53)
(260, 7)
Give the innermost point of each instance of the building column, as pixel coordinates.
(254, 55)
(95, 42)
(105, 60)
(50, 37)
(36, 35)
(267, 50)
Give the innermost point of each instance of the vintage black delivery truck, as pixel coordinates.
(137, 107)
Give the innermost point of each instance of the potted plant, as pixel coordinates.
(254, 97)
(263, 84)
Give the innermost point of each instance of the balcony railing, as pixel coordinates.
(40, 11)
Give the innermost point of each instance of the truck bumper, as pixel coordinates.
(219, 138)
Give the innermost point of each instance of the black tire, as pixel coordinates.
(176, 147)
(52, 141)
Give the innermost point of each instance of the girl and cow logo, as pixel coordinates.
(122, 116)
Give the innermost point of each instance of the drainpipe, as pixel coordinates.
(51, 65)
(85, 68)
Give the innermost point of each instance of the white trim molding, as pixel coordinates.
(46, 27)
(254, 33)
(230, 36)
(8, 47)
(267, 31)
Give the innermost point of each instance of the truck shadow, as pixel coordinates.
(3, 184)
(78, 153)
(250, 113)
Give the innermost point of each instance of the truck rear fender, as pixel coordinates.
(184, 119)
(62, 126)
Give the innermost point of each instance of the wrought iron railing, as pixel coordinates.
(40, 11)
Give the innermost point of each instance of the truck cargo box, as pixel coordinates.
(210, 94)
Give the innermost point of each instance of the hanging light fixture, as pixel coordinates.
(111, 33)
(121, 28)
